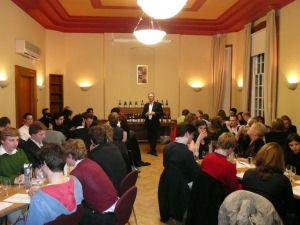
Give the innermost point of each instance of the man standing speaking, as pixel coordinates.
(152, 112)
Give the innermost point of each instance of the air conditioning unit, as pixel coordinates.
(27, 49)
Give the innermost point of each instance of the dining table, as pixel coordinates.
(242, 167)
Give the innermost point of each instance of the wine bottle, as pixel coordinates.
(125, 104)
(120, 104)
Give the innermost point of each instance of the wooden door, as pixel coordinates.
(25, 92)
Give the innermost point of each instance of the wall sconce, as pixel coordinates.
(3, 81)
(40, 83)
(85, 86)
(197, 86)
(292, 82)
(240, 85)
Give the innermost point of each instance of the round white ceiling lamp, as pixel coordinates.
(161, 9)
(150, 35)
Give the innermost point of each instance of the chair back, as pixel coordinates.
(206, 197)
(73, 218)
(124, 206)
(128, 181)
(245, 207)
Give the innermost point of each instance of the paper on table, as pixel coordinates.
(240, 175)
(4, 205)
(18, 198)
(296, 190)
(242, 165)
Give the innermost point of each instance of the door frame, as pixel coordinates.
(23, 71)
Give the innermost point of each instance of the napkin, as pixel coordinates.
(240, 175)
(296, 190)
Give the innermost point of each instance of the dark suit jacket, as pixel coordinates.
(109, 157)
(31, 149)
(82, 134)
(155, 118)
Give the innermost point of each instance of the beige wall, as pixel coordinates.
(236, 39)
(111, 68)
(18, 25)
(289, 61)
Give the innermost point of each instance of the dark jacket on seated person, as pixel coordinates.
(206, 197)
(278, 137)
(180, 156)
(109, 157)
(173, 194)
(81, 133)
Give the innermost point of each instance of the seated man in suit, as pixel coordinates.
(106, 154)
(80, 131)
(99, 193)
(37, 131)
(61, 196)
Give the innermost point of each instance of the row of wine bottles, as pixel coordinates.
(130, 103)
(137, 118)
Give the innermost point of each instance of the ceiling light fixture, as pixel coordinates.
(161, 9)
(150, 35)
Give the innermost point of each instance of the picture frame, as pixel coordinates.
(142, 74)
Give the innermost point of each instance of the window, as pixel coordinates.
(257, 96)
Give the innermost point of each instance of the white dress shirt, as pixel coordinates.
(24, 132)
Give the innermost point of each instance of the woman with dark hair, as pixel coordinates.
(292, 151)
(200, 141)
(277, 133)
(288, 127)
(241, 119)
(268, 180)
(222, 114)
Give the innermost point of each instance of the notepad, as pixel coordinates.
(18, 198)
(4, 205)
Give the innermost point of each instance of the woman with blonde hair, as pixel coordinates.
(268, 180)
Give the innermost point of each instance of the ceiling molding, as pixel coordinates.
(51, 15)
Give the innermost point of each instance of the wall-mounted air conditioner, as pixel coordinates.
(27, 49)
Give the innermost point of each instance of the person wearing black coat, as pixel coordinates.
(152, 112)
(37, 131)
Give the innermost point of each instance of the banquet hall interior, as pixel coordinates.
(215, 55)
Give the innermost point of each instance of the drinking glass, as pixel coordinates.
(6, 184)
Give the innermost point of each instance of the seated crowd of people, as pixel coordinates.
(96, 158)
(216, 141)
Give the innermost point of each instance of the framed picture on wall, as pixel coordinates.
(142, 74)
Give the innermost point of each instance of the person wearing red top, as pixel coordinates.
(98, 191)
(216, 165)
